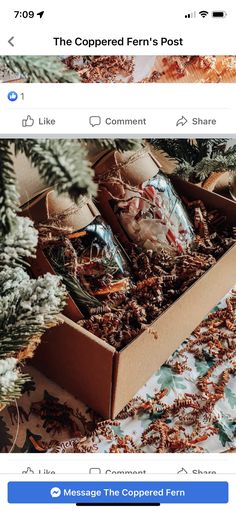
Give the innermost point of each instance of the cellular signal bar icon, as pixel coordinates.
(191, 15)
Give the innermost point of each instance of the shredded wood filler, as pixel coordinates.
(160, 278)
(102, 68)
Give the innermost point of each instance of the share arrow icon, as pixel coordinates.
(182, 121)
(40, 14)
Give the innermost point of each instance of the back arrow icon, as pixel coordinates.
(10, 41)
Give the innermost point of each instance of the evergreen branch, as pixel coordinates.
(11, 381)
(61, 163)
(220, 163)
(47, 69)
(27, 308)
(177, 149)
(8, 194)
(119, 144)
(18, 244)
(197, 159)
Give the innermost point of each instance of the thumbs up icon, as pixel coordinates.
(28, 471)
(28, 122)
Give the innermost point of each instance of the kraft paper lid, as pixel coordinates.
(135, 167)
(79, 215)
(76, 215)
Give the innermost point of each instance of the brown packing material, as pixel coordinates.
(105, 379)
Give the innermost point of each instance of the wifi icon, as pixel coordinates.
(203, 14)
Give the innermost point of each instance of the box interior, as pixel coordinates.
(107, 379)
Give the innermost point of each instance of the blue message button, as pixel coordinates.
(105, 492)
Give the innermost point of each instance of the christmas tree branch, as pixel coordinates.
(119, 144)
(11, 381)
(27, 308)
(8, 194)
(61, 163)
(18, 244)
(197, 159)
(39, 68)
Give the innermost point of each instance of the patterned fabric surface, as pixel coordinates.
(189, 405)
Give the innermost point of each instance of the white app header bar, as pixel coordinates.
(123, 28)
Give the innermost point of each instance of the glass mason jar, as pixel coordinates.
(81, 247)
(141, 203)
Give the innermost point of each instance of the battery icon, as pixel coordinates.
(219, 14)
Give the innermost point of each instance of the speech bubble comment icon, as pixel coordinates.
(95, 120)
(55, 492)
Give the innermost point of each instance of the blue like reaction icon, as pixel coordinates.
(12, 95)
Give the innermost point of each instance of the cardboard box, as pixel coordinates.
(105, 379)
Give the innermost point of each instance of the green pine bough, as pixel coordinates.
(48, 69)
(11, 381)
(197, 159)
(29, 306)
(62, 163)
(8, 196)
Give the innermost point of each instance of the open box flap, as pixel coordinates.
(69, 353)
